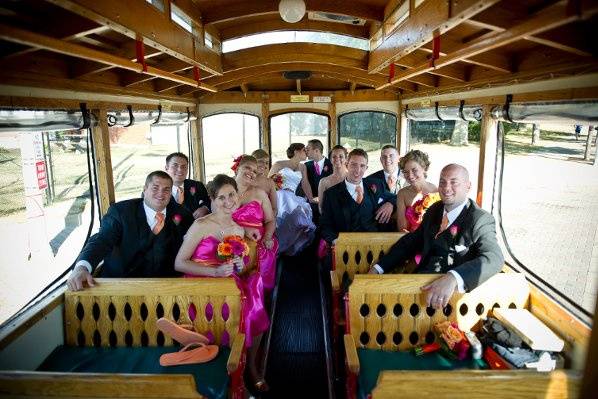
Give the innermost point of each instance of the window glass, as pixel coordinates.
(225, 137)
(448, 142)
(549, 205)
(138, 150)
(296, 127)
(368, 130)
(45, 211)
(159, 4)
(180, 18)
(262, 39)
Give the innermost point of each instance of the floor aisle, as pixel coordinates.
(297, 361)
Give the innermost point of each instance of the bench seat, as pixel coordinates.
(211, 378)
(373, 361)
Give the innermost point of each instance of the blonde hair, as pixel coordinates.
(260, 154)
(416, 156)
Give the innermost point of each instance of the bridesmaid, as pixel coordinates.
(198, 257)
(338, 156)
(262, 181)
(256, 216)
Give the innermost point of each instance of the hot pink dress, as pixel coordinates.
(252, 215)
(255, 318)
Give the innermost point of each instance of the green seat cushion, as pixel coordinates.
(211, 378)
(372, 362)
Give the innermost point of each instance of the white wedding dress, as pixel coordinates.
(294, 226)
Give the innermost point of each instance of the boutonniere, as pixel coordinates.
(192, 190)
(176, 219)
(325, 169)
(373, 188)
(454, 230)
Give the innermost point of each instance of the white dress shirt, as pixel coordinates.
(150, 217)
(451, 216)
(175, 192)
(352, 188)
(321, 164)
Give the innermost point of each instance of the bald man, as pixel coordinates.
(455, 238)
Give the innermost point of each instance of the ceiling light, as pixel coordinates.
(291, 11)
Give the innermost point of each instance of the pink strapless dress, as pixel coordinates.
(254, 316)
(412, 219)
(252, 215)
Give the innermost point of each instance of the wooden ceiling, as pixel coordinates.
(443, 46)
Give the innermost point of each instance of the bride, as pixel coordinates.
(294, 226)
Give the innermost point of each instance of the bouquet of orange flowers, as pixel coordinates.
(453, 338)
(277, 179)
(232, 247)
(415, 213)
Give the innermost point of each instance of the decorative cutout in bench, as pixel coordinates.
(389, 312)
(124, 312)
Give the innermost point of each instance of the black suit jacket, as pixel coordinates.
(314, 178)
(125, 240)
(472, 251)
(196, 195)
(335, 210)
(387, 195)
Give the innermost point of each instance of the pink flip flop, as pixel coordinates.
(190, 354)
(180, 333)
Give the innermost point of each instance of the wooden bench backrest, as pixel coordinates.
(355, 252)
(477, 384)
(123, 312)
(389, 311)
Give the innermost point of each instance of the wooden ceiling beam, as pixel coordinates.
(295, 53)
(26, 38)
(251, 28)
(135, 18)
(550, 18)
(214, 12)
(162, 85)
(173, 65)
(572, 42)
(433, 16)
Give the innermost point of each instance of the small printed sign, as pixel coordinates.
(300, 98)
(42, 178)
(322, 99)
(426, 103)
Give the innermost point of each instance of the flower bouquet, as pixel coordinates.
(278, 180)
(233, 247)
(415, 213)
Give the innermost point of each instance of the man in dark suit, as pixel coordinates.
(139, 237)
(317, 168)
(391, 179)
(353, 205)
(456, 237)
(191, 194)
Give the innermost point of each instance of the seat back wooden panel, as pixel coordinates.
(121, 312)
(355, 252)
(477, 384)
(389, 312)
(20, 384)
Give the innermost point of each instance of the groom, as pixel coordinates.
(456, 237)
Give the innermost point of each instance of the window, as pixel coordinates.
(225, 137)
(159, 4)
(262, 39)
(448, 142)
(549, 198)
(140, 149)
(45, 211)
(369, 130)
(180, 18)
(207, 38)
(296, 127)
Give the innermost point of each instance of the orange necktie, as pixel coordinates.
(443, 224)
(359, 192)
(159, 223)
(392, 184)
(181, 195)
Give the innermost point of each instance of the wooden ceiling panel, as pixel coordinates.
(217, 11)
(268, 23)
